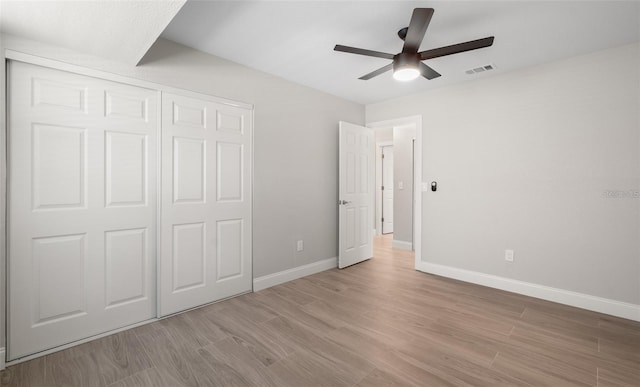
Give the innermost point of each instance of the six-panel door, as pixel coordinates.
(82, 207)
(355, 194)
(206, 202)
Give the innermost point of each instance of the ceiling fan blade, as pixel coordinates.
(377, 72)
(417, 27)
(362, 51)
(456, 48)
(428, 72)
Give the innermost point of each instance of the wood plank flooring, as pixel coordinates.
(378, 323)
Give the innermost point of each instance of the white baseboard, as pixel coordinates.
(567, 297)
(3, 355)
(274, 279)
(402, 245)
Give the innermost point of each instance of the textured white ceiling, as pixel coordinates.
(295, 39)
(118, 30)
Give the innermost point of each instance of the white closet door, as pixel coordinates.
(206, 202)
(82, 207)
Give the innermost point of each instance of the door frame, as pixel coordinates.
(417, 173)
(8, 54)
(378, 222)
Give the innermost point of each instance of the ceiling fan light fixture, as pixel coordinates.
(406, 74)
(405, 67)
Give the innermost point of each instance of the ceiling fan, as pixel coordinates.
(407, 65)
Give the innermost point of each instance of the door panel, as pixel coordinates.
(127, 107)
(365, 232)
(125, 261)
(189, 252)
(191, 113)
(206, 209)
(126, 170)
(355, 194)
(81, 206)
(229, 252)
(230, 171)
(59, 94)
(189, 170)
(60, 280)
(58, 155)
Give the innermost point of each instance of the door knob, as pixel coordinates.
(343, 202)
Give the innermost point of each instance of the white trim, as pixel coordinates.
(417, 183)
(252, 268)
(54, 64)
(3, 205)
(274, 279)
(158, 200)
(567, 297)
(402, 245)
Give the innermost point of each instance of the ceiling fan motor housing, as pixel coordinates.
(406, 60)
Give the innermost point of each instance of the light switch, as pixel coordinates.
(400, 185)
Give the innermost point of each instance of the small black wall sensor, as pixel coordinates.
(434, 186)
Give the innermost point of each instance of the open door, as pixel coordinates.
(355, 200)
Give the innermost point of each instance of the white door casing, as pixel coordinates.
(81, 207)
(356, 194)
(206, 202)
(387, 189)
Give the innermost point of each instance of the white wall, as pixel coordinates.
(524, 161)
(295, 145)
(384, 134)
(403, 174)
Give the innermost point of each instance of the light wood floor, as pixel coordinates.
(373, 324)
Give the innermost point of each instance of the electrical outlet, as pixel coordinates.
(508, 255)
(300, 245)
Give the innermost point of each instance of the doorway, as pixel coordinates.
(387, 189)
(395, 184)
(407, 181)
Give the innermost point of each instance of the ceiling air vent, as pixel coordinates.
(481, 69)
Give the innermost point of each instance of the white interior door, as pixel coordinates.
(206, 202)
(81, 205)
(387, 189)
(356, 195)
